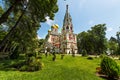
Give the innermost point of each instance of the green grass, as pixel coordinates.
(70, 68)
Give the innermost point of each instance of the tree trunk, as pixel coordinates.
(5, 15)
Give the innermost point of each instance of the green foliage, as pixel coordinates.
(119, 57)
(35, 65)
(113, 45)
(93, 41)
(84, 53)
(17, 64)
(2, 32)
(32, 65)
(110, 68)
(15, 54)
(24, 34)
(41, 44)
(103, 55)
(118, 41)
(1, 10)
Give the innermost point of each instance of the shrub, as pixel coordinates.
(17, 64)
(62, 56)
(90, 58)
(14, 55)
(109, 67)
(24, 68)
(84, 53)
(102, 55)
(34, 65)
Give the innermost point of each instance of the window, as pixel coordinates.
(67, 27)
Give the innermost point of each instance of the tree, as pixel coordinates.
(93, 41)
(118, 41)
(23, 18)
(98, 31)
(41, 44)
(34, 11)
(48, 7)
(3, 32)
(113, 45)
(82, 41)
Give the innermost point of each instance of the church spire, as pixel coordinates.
(67, 8)
(67, 23)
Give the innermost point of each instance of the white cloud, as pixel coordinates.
(38, 37)
(49, 21)
(109, 29)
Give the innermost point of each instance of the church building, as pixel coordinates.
(66, 40)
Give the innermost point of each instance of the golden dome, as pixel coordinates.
(55, 26)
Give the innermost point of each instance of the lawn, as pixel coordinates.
(70, 68)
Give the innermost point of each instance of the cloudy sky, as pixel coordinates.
(85, 14)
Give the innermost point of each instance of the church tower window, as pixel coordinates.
(71, 28)
(67, 27)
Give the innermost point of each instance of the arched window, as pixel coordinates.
(67, 27)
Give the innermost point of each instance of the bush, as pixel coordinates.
(14, 55)
(102, 55)
(90, 58)
(110, 68)
(24, 68)
(35, 65)
(84, 53)
(17, 64)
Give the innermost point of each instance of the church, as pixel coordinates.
(65, 41)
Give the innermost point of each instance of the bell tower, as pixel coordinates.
(67, 22)
(69, 40)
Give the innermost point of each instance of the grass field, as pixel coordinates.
(70, 68)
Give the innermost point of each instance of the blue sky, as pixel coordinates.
(85, 14)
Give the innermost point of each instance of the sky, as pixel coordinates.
(85, 14)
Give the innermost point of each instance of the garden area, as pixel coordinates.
(70, 68)
(25, 35)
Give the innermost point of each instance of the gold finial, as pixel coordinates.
(67, 7)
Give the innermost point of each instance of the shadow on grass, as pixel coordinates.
(106, 77)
